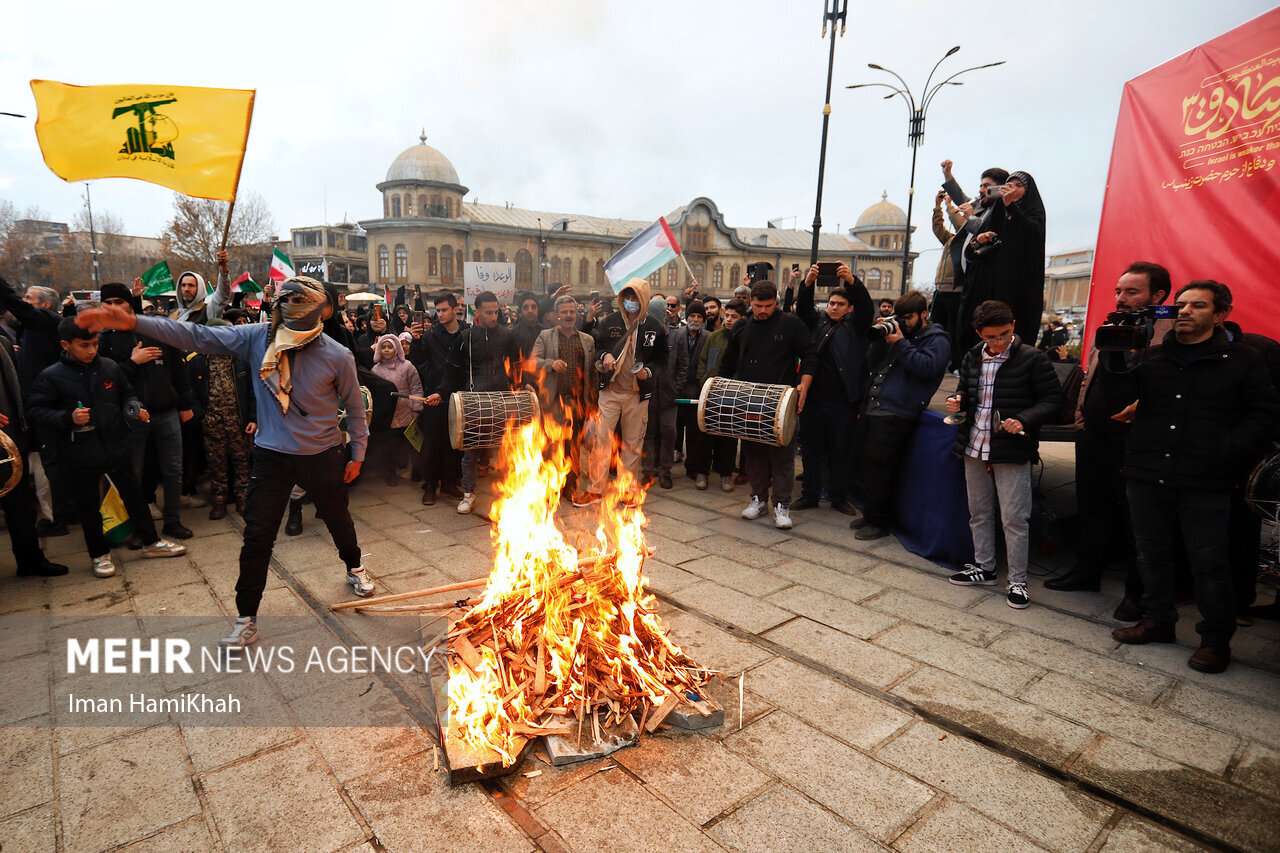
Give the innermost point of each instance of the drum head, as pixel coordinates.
(10, 464)
(457, 420)
(784, 428)
(1263, 491)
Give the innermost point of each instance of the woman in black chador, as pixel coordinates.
(1006, 259)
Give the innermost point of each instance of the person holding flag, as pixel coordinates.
(303, 378)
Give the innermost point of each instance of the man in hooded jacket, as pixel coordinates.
(304, 377)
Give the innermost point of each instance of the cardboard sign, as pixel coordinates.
(499, 278)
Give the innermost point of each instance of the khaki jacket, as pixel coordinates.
(546, 349)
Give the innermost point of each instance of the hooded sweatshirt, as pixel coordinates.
(200, 310)
(648, 344)
(398, 370)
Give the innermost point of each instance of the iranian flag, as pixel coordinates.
(649, 251)
(244, 284)
(281, 267)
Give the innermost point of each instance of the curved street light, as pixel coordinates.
(916, 113)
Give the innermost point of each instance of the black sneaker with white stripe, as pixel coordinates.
(1018, 598)
(973, 576)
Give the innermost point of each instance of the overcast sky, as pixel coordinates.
(611, 108)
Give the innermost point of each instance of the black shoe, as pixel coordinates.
(664, 480)
(1075, 580)
(804, 503)
(43, 569)
(293, 527)
(136, 543)
(845, 507)
(1128, 611)
(450, 490)
(429, 496)
(177, 531)
(871, 531)
(45, 527)
(858, 522)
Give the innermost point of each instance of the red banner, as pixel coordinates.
(1194, 182)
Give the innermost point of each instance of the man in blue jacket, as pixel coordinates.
(907, 367)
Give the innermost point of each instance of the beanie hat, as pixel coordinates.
(695, 307)
(115, 290)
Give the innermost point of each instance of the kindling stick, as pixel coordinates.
(401, 596)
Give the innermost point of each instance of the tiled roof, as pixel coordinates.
(519, 217)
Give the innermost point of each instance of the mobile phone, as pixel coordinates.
(377, 312)
(419, 317)
(827, 274)
(795, 268)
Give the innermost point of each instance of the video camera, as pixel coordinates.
(1129, 329)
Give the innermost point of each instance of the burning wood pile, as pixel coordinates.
(562, 643)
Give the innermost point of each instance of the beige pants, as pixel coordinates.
(616, 408)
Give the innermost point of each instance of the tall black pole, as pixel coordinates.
(833, 13)
(911, 197)
(93, 238)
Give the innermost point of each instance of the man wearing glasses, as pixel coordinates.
(1007, 391)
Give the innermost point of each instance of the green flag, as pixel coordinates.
(158, 280)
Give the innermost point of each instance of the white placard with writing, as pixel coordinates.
(500, 278)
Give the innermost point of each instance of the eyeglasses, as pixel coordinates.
(998, 339)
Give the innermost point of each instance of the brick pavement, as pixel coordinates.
(884, 708)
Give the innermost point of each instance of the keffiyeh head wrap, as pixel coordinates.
(184, 309)
(293, 325)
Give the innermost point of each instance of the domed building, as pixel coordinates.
(428, 231)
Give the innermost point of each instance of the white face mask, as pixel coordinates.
(631, 306)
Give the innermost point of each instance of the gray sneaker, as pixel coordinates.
(103, 567)
(360, 582)
(243, 633)
(163, 548)
(726, 483)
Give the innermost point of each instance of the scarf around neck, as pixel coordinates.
(293, 326)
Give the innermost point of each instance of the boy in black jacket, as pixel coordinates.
(1008, 390)
(84, 403)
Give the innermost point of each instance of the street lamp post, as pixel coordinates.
(93, 239)
(916, 113)
(834, 11)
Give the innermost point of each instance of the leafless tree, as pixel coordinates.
(193, 236)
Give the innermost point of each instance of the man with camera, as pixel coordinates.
(1202, 408)
(1101, 506)
(909, 357)
(839, 385)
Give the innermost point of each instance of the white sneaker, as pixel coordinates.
(163, 548)
(243, 633)
(103, 567)
(756, 508)
(191, 501)
(468, 501)
(360, 582)
(781, 516)
(156, 513)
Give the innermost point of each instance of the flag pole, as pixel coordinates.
(692, 277)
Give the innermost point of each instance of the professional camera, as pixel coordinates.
(884, 327)
(1129, 328)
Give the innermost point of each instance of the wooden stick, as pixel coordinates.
(692, 277)
(226, 229)
(402, 596)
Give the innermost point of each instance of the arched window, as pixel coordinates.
(566, 267)
(433, 263)
(422, 205)
(655, 281)
(488, 256)
(408, 205)
(395, 207)
(475, 255)
(717, 276)
(886, 279)
(386, 206)
(897, 241)
(671, 275)
(502, 257)
(699, 272)
(555, 269)
(735, 276)
(446, 265)
(460, 258)
(584, 271)
(601, 279)
(437, 205)
(873, 279)
(524, 268)
(384, 265)
(402, 262)
(884, 241)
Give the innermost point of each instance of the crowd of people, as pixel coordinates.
(278, 412)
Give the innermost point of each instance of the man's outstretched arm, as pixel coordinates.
(217, 340)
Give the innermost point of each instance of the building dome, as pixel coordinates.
(883, 213)
(422, 163)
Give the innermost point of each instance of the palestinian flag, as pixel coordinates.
(158, 280)
(281, 267)
(649, 251)
(244, 284)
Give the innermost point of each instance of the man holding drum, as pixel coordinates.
(767, 351)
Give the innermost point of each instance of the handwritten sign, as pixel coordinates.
(499, 278)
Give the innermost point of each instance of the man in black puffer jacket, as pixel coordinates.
(1007, 390)
(1203, 408)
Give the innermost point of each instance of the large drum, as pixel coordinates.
(748, 410)
(10, 464)
(480, 418)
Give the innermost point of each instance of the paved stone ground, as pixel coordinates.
(883, 708)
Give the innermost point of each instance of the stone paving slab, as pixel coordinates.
(833, 581)
(697, 777)
(954, 827)
(833, 612)
(938, 617)
(944, 652)
(1101, 671)
(733, 607)
(856, 658)
(783, 821)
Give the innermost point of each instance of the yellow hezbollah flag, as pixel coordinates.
(189, 139)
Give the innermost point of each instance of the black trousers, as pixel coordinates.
(86, 485)
(770, 467)
(697, 459)
(20, 519)
(1102, 508)
(883, 445)
(1204, 519)
(946, 313)
(271, 478)
(724, 454)
(826, 433)
(440, 462)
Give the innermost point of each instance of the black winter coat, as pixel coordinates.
(161, 384)
(651, 349)
(1202, 424)
(483, 360)
(768, 351)
(847, 339)
(431, 354)
(1026, 389)
(104, 389)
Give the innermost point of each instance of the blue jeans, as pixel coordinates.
(165, 432)
(470, 470)
(826, 433)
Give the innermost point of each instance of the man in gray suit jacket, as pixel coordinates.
(565, 361)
